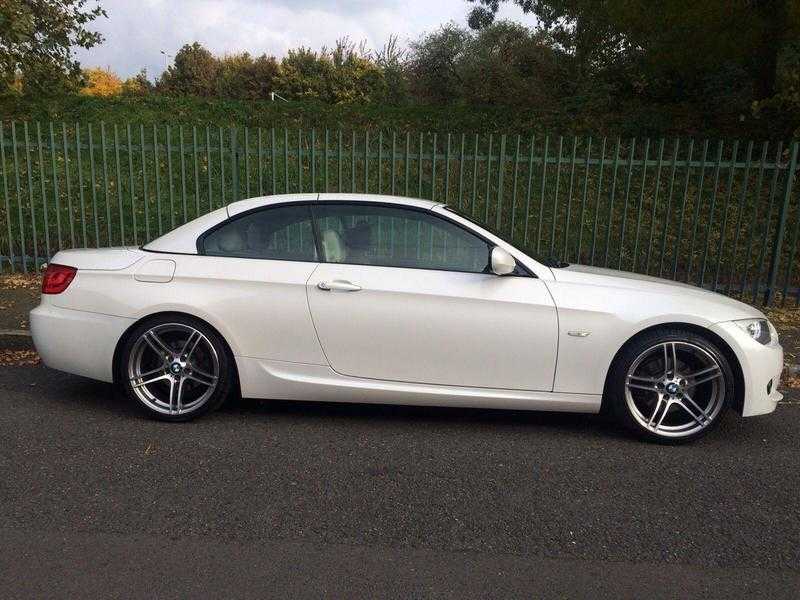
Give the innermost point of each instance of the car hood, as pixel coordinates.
(724, 308)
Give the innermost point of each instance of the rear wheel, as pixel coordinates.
(175, 368)
(670, 386)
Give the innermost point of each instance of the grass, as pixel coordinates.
(110, 196)
(128, 191)
(627, 120)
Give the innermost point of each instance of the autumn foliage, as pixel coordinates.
(101, 82)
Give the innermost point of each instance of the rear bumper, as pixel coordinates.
(762, 366)
(75, 341)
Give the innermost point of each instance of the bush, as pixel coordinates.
(505, 77)
(101, 82)
(784, 107)
(137, 86)
(194, 73)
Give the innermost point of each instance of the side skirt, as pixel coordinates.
(278, 380)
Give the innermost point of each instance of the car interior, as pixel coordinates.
(348, 236)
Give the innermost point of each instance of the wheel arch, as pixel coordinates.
(126, 334)
(726, 349)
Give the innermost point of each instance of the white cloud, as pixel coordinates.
(138, 31)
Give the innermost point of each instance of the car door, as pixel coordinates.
(251, 277)
(405, 295)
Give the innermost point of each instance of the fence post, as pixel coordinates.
(234, 164)
(776, 250)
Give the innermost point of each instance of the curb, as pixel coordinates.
(16, 332)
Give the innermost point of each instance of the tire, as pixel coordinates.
(175, 368)
(668, 405)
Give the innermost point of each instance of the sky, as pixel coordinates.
(138, 31)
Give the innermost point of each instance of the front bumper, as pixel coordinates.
(77, 341)
(762, 366)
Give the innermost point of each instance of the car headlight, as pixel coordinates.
(758, 329)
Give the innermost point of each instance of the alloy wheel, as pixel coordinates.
(173, 369)
(675, 389)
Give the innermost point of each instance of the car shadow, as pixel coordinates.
(397, 414)
(89, 395)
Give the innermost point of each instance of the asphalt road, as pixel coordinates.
(277, 499)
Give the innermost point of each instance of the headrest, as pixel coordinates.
(231, 239)
(332, 245)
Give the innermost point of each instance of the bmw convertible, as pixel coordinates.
(365, 298)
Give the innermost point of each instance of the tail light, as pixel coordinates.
(57, 278)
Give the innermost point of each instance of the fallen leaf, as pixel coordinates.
(17, 358)
(21, 281)
(792, 382)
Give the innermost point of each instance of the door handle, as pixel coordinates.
(338, 285)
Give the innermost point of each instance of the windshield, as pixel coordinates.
(549, 261)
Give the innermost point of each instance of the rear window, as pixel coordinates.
(280, 233)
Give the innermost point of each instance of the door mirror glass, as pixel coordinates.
(502, 262)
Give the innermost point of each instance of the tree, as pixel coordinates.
(242, 76)
(508, 64)
(393, 61)
(436, 65)
(354, 75)
(342, 74)
(783, 109)
(101, 82)
(305, 74)
(260, 76)
(672, 46)
(193, 73)
(37, 38)
(504, 64)
(781, 30)
(138, 85)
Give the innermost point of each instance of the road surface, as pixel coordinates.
(279, 499)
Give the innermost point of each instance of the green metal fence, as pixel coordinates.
(724, 215)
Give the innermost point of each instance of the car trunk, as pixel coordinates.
(99, 259)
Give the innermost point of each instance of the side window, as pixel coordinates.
(280, 233)
(396, 237)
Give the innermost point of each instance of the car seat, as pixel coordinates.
(333, 247)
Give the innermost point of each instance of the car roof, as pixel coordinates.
(183, 240)
(244, 205)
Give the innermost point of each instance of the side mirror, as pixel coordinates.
(502, 262)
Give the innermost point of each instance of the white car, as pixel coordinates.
(364, 298)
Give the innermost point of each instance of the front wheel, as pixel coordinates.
(175, 368)
(670, 386)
